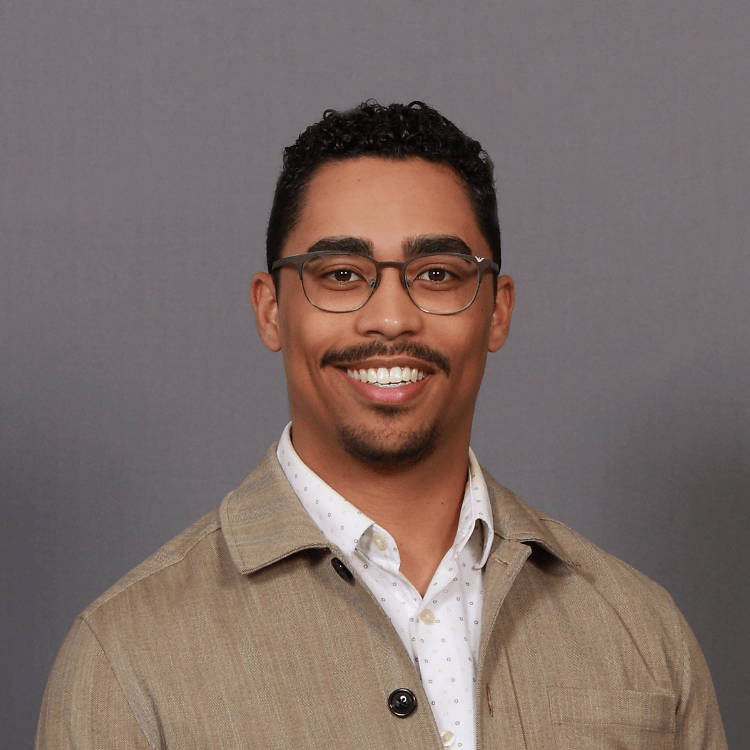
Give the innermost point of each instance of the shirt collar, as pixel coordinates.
(263, 521)
(323, 503)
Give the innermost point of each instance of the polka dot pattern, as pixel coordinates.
(441, 631)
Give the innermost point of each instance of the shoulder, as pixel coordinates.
(599, 576)
(623, 586)
(260, 523)
(166, 562)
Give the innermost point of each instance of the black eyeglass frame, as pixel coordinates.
(298, 261)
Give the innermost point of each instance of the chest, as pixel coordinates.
(297, 656)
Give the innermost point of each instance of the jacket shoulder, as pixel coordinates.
(171, 554)
(597, 563)
(516, 519)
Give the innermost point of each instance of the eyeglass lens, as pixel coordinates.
(436, 283)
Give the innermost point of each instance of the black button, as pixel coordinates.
(402, 702)
(341, 569)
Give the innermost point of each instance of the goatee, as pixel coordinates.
(390, 450)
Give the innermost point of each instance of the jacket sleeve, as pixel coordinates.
(84, 706)
(698, 721)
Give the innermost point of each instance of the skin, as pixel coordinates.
(417, 499)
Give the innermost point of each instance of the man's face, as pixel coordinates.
(389, 205)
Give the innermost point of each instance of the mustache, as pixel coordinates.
(350, 354)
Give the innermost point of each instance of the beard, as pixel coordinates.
(389, 449)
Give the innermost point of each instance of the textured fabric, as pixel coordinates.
(440, 632)
(240, 634)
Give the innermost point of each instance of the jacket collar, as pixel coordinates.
(263, 521)
(516, 521)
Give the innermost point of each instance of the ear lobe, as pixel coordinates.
(504, 301)
(263, 297)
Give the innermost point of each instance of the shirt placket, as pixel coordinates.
(441, 668)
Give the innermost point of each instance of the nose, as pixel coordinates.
(389, 312)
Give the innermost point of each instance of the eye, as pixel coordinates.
(338, 273)
(435, 275)
(343, 275)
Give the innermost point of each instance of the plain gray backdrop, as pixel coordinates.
(139, 147)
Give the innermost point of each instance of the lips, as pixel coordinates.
(382, 391)
(389, 374)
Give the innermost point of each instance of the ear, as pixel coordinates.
(504, 301)
(263, 297)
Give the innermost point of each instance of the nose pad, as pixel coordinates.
(403, 283)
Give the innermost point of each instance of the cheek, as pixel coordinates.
(468, 336)
(467, 350)
(306, 336)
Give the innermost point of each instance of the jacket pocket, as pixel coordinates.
(593, 719)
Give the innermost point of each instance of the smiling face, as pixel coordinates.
(387, 384)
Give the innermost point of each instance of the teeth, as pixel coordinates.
(384, 376)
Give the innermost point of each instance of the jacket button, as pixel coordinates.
(341, 569)
(402, 702)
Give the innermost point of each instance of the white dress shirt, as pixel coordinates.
(441, 631)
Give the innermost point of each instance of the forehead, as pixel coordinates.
(385, 202)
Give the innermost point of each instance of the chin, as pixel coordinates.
(390, 449)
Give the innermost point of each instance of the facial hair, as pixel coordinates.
(353, 354)
(389, 450)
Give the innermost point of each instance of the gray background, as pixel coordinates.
(139, 145)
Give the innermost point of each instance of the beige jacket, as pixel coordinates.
(240, 634)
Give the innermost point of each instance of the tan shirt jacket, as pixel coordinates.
(240, 634)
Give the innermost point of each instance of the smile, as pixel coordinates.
(384, 376)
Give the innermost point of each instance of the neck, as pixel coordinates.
(418, 504)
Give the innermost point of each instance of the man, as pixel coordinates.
(368, 586)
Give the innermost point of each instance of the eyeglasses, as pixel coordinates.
(441, 284)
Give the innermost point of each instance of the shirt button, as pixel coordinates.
(427, 616)
(380, 541)
(402, 702)
(447, 737)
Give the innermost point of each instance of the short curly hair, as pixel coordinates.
(396, 131)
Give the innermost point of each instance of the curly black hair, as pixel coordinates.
(396, 131)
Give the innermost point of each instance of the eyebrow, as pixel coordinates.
(431, 244)
(355, 245)
(413, 246)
